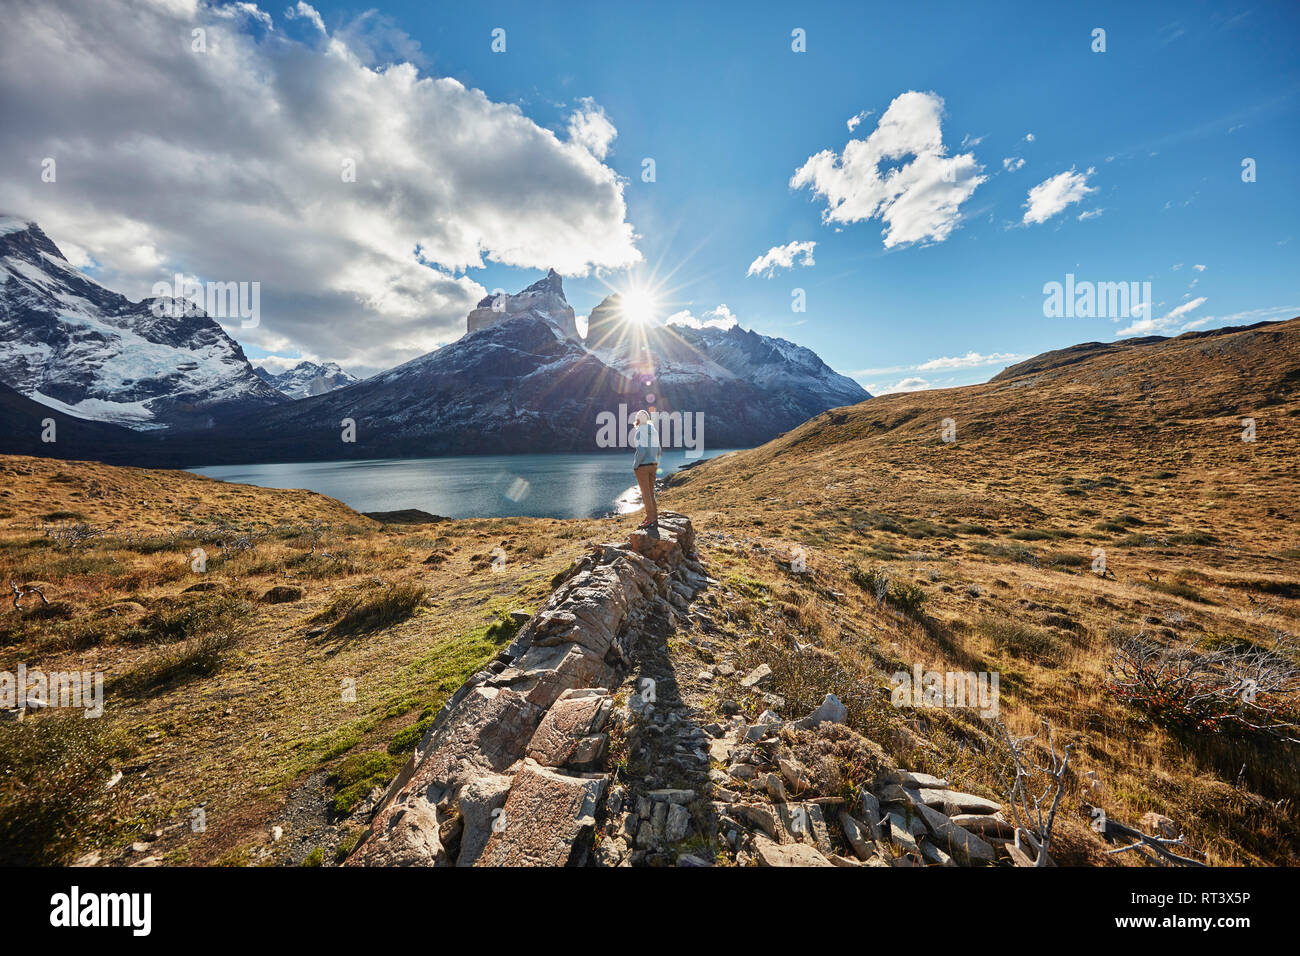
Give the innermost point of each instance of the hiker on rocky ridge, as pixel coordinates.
(646, 465)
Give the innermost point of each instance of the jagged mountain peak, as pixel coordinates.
(71, 344)
(307, 378)
(544, 299)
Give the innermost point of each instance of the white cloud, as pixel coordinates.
(227, 165)
(913, 384)
(917, 200)
(969, 360)
(853, 122)
(1090, 214)
(305, 11)
(1012, 163)
(591, 128)
(782, 257)
(1052, 195)
(1169, 320)
(719, 318)
(1199, 268)
(1029, 137)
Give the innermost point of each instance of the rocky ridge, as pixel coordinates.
(580, 745)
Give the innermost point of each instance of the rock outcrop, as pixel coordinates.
(509, 773)
(544, 299)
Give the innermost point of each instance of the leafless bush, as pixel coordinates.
(1036, 790)
(1242, 690)
(71, 535)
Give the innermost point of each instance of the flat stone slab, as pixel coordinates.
(787, 854)
(574, 717)
(549, 818)
(953, 802)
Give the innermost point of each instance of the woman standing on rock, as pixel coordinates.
(646, 465)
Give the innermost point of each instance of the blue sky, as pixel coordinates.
(728, 111)
(225, 165)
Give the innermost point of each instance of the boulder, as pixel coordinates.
(857, 837)
(960, 842)
(830, 710)
(477, 800)
(1157, 824)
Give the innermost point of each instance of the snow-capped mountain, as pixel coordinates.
(75, 346)
(518, 381)
(681, 354)
(306, 379)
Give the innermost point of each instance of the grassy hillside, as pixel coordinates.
(225, 688)
(983, 551)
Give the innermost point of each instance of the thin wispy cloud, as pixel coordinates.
(1170, 320)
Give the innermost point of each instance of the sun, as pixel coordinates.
(639, 306)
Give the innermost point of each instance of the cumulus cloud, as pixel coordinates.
(305, 11)
(1052, 195)
(782, 257)
(719, 318)
(232, 164)
(1012, 163)
(1029, 137)
(1090, 214)
(912, 384)
(900, 174)
(591, 128)
(1199, 268)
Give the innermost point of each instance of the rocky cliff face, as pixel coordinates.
(544, 299)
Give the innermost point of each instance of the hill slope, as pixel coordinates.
(1131, 454)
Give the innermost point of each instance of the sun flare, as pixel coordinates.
(639, 306)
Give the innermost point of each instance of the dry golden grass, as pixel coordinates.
(220, 699)
(215, 697)
(1137, 452)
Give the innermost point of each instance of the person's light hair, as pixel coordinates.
(642, 417)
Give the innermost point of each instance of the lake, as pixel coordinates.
(472, 486)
